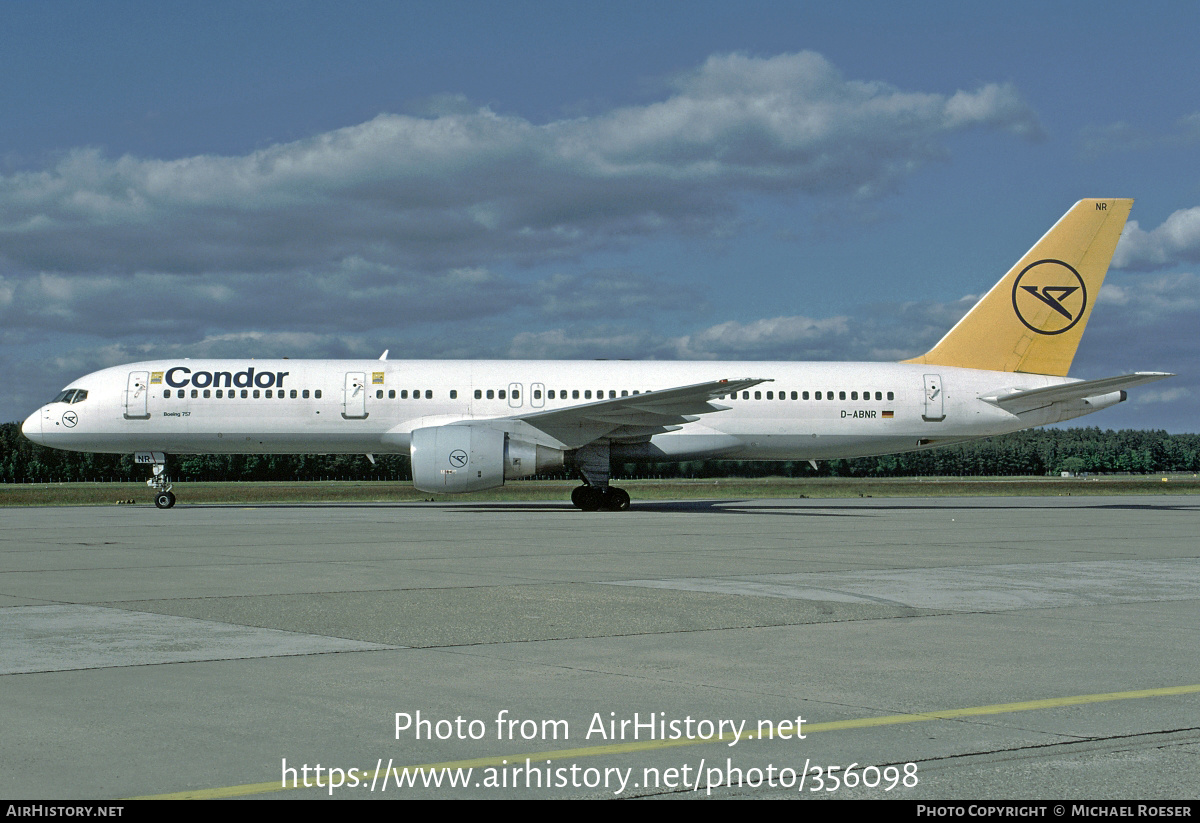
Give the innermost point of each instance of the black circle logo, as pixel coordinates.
(1049, 297)
(69, 419)
(458, 458)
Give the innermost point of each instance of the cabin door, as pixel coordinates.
(935, 398)
(137, 394)
(354, 396)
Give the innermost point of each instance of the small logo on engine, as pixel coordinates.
(458, 458)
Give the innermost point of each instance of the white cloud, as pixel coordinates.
(1097, 141)
(763, 338)
(1176, 241)
(461, 188)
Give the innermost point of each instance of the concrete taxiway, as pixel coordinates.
(941, 648)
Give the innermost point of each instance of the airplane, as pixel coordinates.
(472, 425)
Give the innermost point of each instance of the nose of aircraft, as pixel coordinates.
(32, 427)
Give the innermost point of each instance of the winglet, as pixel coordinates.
(1032, 320)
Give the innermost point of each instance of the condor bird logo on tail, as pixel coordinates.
(1049, 284)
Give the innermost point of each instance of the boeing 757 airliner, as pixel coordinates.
(471, 425)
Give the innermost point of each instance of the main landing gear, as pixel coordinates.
(592, 498)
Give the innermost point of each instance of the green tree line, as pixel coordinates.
(1033, 452)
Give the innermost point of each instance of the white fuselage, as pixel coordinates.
(806, 411)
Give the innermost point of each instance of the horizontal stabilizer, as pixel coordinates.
(1017, 401)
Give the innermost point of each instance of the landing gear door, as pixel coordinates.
(935, 398)
(137, 391)
(354, 396)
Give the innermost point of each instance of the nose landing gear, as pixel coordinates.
(163, 498)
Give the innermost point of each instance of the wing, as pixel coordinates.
(1026, 400)
(636, 417)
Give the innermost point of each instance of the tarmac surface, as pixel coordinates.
(955, 648)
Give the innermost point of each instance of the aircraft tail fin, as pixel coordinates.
(1032, 320)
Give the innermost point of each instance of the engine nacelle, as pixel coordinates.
(461, 458)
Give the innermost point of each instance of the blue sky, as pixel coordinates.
(576, 180)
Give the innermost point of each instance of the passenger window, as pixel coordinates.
(891, 396)
(305, 393)
(256, 394)
(391, 394)
(317, 394)
(379, 394)
(612, 393)
(454, 394)
(574, 394)
(878, 395)
(268, 394)
(516, 394)
(796, 398)
(624, 393)
(166, 393)
(491, 394)
(221, 394)
(429, 394)
(293, 394)
(196, 393)
(587, 394)
(853, 395)
(478, 394)
(770, 395)
(207, 394)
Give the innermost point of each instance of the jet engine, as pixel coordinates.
(466, 457)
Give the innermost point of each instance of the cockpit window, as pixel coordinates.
(80, 396)
(71, 396)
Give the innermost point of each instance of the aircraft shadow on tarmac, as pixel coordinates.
(803, 507)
